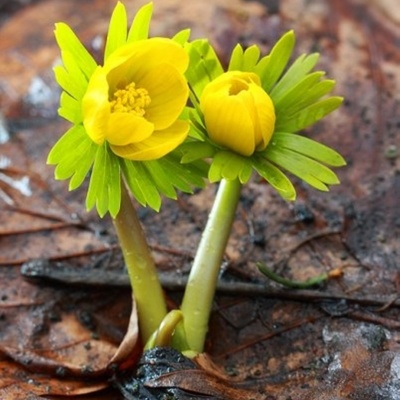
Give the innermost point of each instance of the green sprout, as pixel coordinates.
(128, 119)
(135, 137)
(247, 120)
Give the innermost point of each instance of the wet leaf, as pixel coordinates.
(17, 383)
(200, 383)
(164, 371)
(128, 350)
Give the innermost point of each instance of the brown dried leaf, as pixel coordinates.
(17, 383)
(66, 333)
(204, 361)
(129, 350)
(200, 382)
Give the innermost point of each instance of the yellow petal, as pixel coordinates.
(168, 91)
(224, 81)
(229, 123)
(157, 145)
(264, 116)
(125, 128)
(247, 98)
(132, 61)
(95, 106)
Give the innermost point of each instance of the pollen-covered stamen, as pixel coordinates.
(130, 100)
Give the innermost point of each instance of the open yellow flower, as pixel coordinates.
(238, 113)
(134, 101)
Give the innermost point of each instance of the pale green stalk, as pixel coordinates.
(141, 268)
(201, 286)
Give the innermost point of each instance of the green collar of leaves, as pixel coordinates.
(299, 94)
(300, 98)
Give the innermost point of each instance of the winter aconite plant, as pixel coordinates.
(247, 120)
(161, 115)
(127, 123)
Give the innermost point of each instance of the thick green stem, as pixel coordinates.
(141, 268)
(200, 289)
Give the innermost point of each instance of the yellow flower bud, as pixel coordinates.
(238, 113)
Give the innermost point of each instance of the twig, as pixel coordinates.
(50, 272)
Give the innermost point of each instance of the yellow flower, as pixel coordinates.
(238, 113)
(134, 101)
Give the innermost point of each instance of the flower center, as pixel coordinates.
(238, 85)
(130, 100)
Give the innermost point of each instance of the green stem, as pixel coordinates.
(202, 282)
(316, 280)
(141, 268)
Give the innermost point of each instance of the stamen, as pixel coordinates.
(131, 100)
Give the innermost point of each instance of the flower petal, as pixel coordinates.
(228, 122)
(157, 145)
(225, 80)
(125, 128)
(264, 118)
(134, 60)
(95, 106)
(168, 91)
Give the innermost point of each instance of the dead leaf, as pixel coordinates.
(57, 340)
(199, 382)
(164, 371)
(129, 350)
(18, 383)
